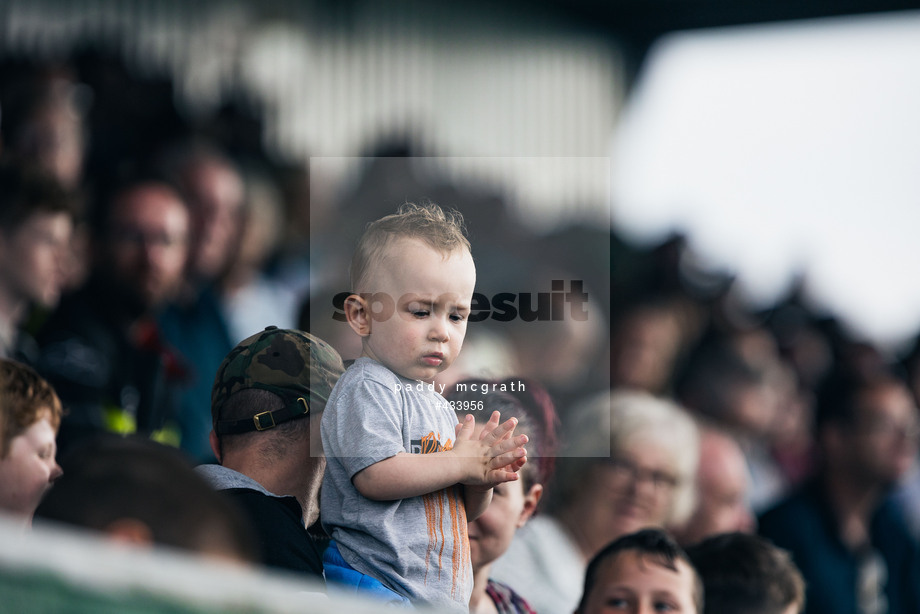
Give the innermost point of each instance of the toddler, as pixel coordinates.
(403, 478)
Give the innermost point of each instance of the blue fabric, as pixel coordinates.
(342, 577)
(199, 333)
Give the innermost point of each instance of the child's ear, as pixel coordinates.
(358, 314)
(531, 499)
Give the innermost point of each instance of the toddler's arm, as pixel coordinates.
(484, 462)
(476, 497)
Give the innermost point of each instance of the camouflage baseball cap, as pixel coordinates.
(290, 363)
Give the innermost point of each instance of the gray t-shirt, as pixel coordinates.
(417, 546)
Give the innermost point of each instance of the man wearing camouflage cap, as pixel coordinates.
(266, 405)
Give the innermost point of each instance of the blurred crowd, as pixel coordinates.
(138, 247)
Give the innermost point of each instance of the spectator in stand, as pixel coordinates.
(44, 127)
(628, 463)
(645, 342)
(251, 298)
(847, 537)
(101, 349)
(907, 492)
(403, 476)
(268, 399)
(36, 220)
(30, 413)
(721, 490)
(143, 493)
(641, 573)
(195, 324)
(43, 123)
(746, 574)
(513, 503)
(720, 384)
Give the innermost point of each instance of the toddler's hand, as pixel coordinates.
(496, 456)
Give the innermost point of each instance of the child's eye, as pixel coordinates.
(456, 317)
(420, 313)
(617, 603)
(664, 606)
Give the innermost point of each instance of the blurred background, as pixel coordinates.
(732, 166)
(734, 185)
(778, 141)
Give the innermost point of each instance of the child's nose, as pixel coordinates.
(439, 330)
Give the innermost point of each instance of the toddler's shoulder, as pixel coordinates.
(369, 370)
(366, 375)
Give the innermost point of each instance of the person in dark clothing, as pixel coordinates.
(101, 349)
(847, 538)
(36, 223)
(267, 402)
(140, 493)
(196, 323)
(746, 574)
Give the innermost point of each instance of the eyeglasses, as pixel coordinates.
(625, 469)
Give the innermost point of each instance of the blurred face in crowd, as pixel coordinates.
(55, 139)
(881, 443)
(632, 490)
(643, 350)
(216, 193)
(33, 258)
(754, 409)
(149, 242)
(491, 533)
(29, 468)
(636, 583)
(722, 485)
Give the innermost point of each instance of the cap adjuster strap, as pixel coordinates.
(258, 421)
(265, 420)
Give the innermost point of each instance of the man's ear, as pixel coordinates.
(129, 531)
(215, 445)
(358, 314)
(531, 499)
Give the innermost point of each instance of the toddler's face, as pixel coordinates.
(418, 303)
